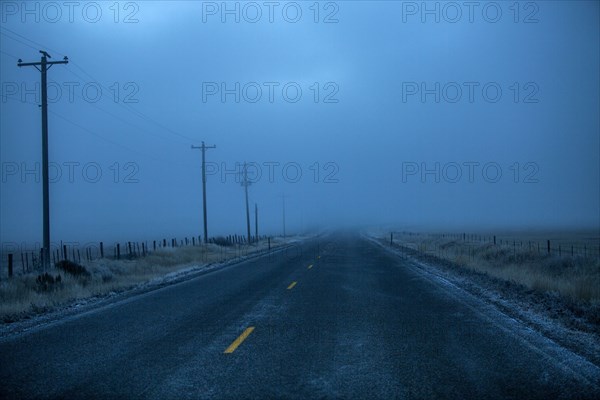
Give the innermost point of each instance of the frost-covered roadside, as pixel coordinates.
(573, 325)
(38, 317)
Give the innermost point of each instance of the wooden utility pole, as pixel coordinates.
(256, 222)
(245, 184)
(44, 65)
(283, 197)
(203, 148)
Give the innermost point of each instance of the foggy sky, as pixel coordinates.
(369, 141)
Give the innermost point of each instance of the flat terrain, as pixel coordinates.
(336, 317)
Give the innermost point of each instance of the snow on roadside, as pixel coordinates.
(38, 320)
(546, 313)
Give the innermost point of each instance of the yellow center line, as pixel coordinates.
(310, 266)
(239, 340)
(292, 285)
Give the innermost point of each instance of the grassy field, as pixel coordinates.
(522, 258)
(36, 292)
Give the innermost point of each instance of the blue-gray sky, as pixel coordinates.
(363, 119)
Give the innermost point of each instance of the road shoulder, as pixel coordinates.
(542, 313)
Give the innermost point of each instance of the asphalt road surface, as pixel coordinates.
(334, 317)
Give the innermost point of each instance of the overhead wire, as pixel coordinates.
(127, 107)
(93, 133)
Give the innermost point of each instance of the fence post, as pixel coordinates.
(548, 246)
(65, 254)
(10, 265)
(269, 242)
(494, 240)
(391, 238)
(118, 251)
(101, 250)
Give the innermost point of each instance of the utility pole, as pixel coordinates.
(283, 196)
(203, 148)
(256, 221)
(44, 66)
(245, 184)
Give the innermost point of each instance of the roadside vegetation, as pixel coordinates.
(66, 282)
(576, 276)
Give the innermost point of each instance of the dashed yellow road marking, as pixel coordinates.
(239, 340)
(310, 266)
(292, 285)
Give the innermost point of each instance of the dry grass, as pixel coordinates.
(577, 278)
(23, 294)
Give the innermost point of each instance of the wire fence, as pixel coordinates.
(441, 242)
(17, 259)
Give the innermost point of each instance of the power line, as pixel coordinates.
(137, 113)
(83, 128)
(117, 117)
(20, 41)
(127, 107)
(29, 40)
(8, 54)
(21, 101)
(93, 133)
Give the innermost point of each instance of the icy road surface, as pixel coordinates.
(334, 317)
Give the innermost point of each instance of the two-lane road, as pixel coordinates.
(336, 317)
